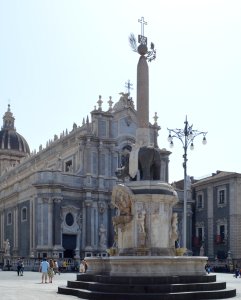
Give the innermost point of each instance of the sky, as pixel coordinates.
(58, 56)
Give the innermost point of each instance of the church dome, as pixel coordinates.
(10, 140)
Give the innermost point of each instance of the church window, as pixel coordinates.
(114, 165)
(68, 166)
(200, 233)
(200, 202)
(94, 162)
(69, 219)
(125, 155)
(221, 231)
(199, 236)
(102, 164)
(9, 218)
(221, 197)
(24, 214)
(102, 129)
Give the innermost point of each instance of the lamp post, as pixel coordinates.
(186, 136)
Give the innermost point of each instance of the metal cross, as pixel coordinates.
(142, 25)
(128, 86)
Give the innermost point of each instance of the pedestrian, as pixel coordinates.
(64, 265)
(86, 265)
(208, 268)
(19, 265)
(237, 272)
(22, 268)
(56, 267)
(51, 270)
(82, 267)
(44, 265)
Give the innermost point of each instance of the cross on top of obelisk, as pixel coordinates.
(141, 38)
(142, 25)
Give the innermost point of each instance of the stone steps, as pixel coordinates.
(147, 288)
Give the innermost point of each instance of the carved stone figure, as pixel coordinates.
(123, 203)
(141, 215)
(7, 247)
(59, 163)
(201, 253)
(174, 235)
(122, 200)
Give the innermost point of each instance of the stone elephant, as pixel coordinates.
(149, 164)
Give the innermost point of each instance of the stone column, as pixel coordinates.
(57, 223)
(88, 231)
(50, 223)
(44, 222)
(15, 248)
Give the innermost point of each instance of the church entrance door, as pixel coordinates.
(69, 244)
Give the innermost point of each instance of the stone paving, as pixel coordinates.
(29, 286)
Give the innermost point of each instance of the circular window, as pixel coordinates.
(69, 219)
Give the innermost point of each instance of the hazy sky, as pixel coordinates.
(58, 56)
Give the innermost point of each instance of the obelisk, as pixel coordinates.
(143, 130)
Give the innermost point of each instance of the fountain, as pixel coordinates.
(144, 263)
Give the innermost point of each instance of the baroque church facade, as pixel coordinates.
(56, 202)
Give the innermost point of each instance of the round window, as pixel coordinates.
(69, 219)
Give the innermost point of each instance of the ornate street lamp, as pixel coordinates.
(186, 136)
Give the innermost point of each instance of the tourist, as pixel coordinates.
(22, 268)
(64, 266)
(86, 265)
(19, 266)
(237, 272)
(44, 265)
(51, 270)
(56, 267)
(82, 267)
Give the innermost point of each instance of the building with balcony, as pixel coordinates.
(217, 215)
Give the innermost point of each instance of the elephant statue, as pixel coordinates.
(148, 164)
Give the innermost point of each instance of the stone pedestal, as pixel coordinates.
(144, 221)
(148, 265)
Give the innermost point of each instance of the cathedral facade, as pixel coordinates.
(56, 202)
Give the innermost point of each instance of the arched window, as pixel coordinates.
(9, 218)
(24, 214)
(125, 155)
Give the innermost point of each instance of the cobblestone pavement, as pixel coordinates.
(29, 286)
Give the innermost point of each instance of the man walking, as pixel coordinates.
(19, 266)
(44, 266)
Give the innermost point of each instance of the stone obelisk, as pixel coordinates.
(143, 130)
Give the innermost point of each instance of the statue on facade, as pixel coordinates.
(6, 247)
(201, 253)
(58, 164)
